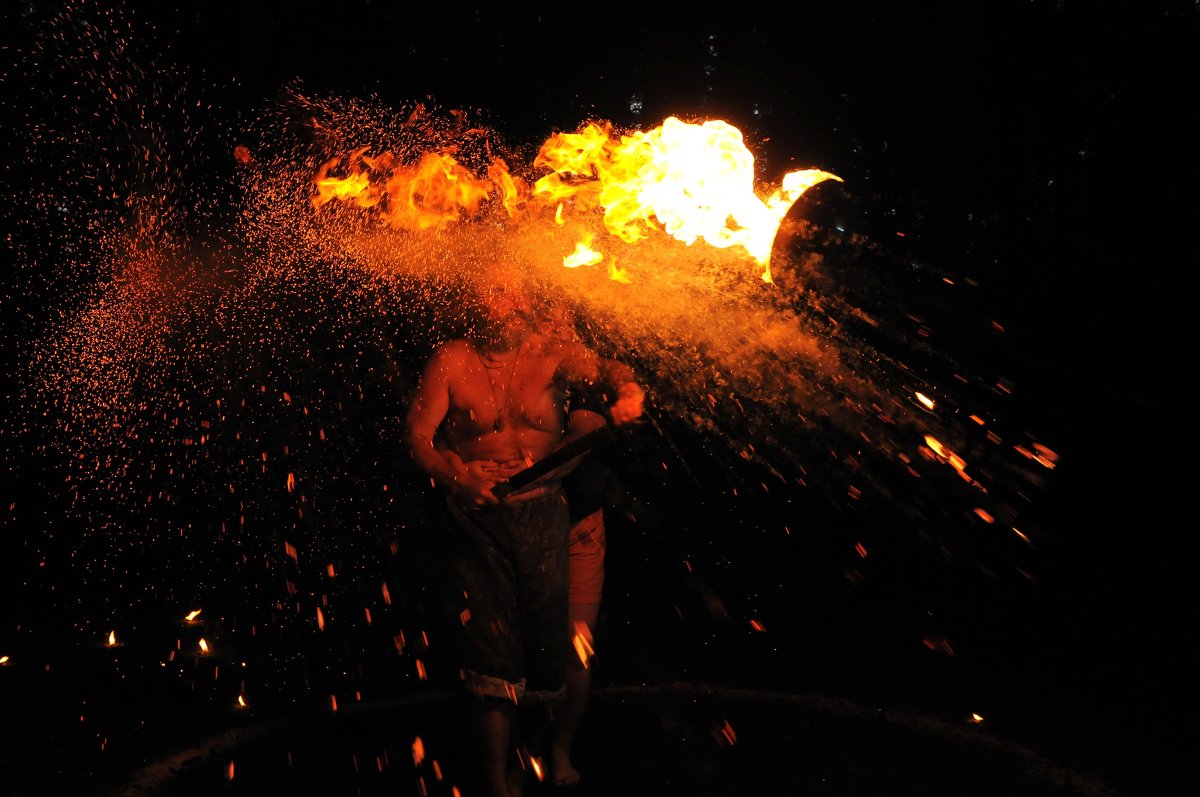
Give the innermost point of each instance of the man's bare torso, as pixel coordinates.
(506, 409)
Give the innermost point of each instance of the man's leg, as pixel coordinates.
(493, 724)
(579, 686)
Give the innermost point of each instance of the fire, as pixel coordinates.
(584, 254)
(583, 642)
(692, 182)
(203, 645)
(192, 615)
(418, 751)
(951, 458)
(434, 192)
(112, 638)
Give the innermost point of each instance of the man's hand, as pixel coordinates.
(629, 404)
(475, 480)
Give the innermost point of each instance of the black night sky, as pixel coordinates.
(205, 376)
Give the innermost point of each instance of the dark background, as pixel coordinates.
(1038, 148)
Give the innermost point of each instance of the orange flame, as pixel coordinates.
(112, 638)
(192, 615)
(583, 642)
(418, 751)
(584, 254)
(692, 182)
(203, 645)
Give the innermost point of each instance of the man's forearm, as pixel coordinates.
(431, 461)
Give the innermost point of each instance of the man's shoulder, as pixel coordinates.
(454, 348)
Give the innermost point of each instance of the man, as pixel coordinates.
(495, 401)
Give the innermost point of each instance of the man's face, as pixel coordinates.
(508, 315)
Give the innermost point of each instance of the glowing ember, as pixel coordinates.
(583, 642)
(925, 400)
(203, 645)
(418, 750)
(192, 615)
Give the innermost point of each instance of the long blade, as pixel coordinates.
(560, 456)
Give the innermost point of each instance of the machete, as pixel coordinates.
(559, 456)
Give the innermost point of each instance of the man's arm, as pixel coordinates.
(425, 415)
(582, 365)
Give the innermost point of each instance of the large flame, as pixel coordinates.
(692, 182)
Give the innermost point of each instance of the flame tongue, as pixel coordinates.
(692, 181)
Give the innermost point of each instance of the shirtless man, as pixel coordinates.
(496, 402)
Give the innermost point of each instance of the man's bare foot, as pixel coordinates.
(516, 781)
(562, 771)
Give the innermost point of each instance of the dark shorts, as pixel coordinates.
(510, 599)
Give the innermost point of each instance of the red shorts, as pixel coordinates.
(587, 558)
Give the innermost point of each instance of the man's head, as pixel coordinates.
(506, 315)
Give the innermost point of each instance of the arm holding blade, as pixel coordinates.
(586, 428)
